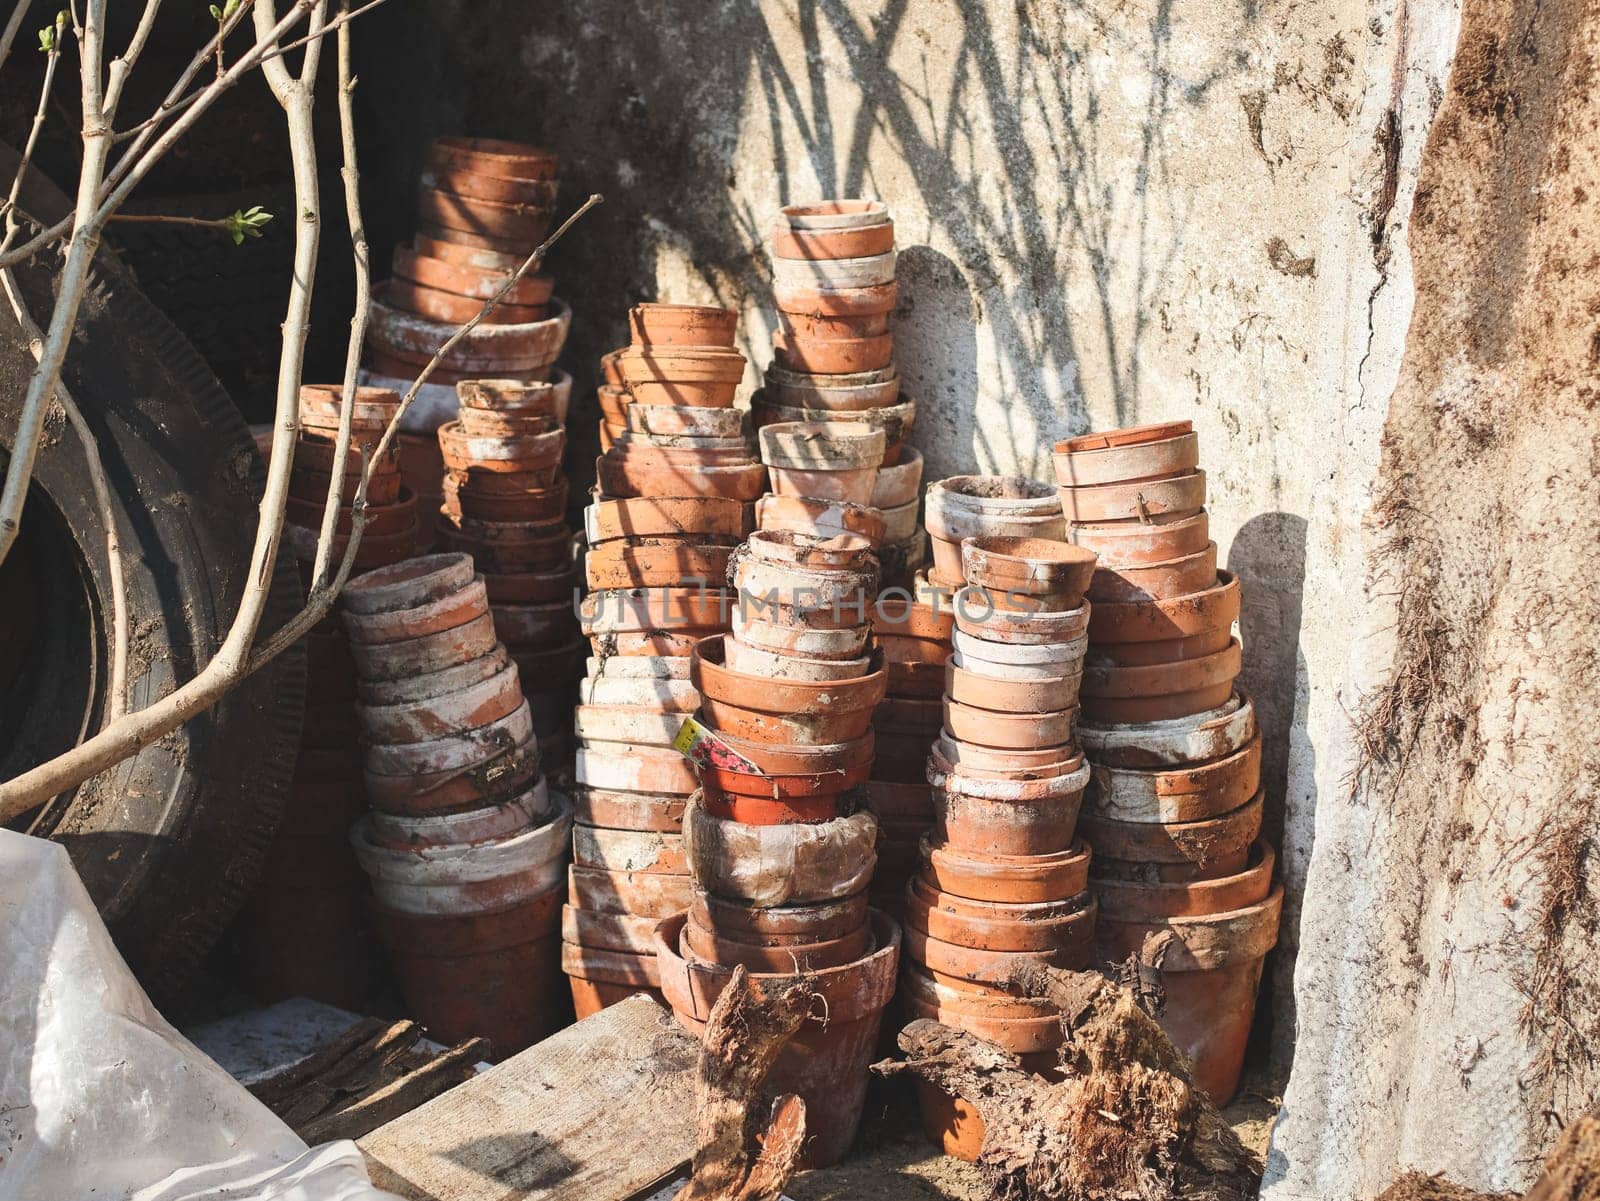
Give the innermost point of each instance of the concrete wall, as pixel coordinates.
(1107, 213)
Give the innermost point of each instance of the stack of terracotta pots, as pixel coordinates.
(1173, 809)
(915, 638)
(484, 206)
(969, 506)
(505, 500)
(780, 845)
(305, 930)
(1004, 880)
(675, 486)
(465, 843)
(833, 277)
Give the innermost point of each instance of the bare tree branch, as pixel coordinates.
(8, 35)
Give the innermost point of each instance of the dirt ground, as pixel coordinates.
(895, 1162)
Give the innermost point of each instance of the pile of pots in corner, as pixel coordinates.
(465, 843)
(779, 842)
(833, 277)
(1004, 880)
(675, 486)
(304, 931)
(505, 500)
(1173, 808)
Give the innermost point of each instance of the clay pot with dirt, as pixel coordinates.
(795, 712)
(833, 393)
(976, 505)
(819, 517)
(1056, 573)
(1203, 849)
(896, 421)
(828, 460)
(775, 865)
(682, 325)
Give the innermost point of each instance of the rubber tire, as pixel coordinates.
(169, 842)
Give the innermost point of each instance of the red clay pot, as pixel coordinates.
(832, 356)
(492, 157)
(1139, 543)
(433, 617)
(705, 945)
(493, 423)
(677, 421)
(458, 254)
(460, 749)
(1018, 879)
(794, 712)
(505, 775)
(870, 271)
(648, 851)
(431, 652)
(1143, 901)
(449, 307)
(1156, 581)
(493, 222)
(771, 866)
(490, 975)
(894, 421)
(492, 498)
(969, 689)
(651, 894)
(629, 810)
(833, 393)
(1200, 845)
(809, 297)
(1176, 617)
(1028, 566)
(629, 767)
(1211, 973)
(533, 587)
(666, 517)
(1151, 459)
(628, 933)
(682, 325)
(475, 282)
(1183, 794)
(649, 563)
(819, 517)
(818, 231)
(1064, 925)
(1130, 435)
(699, 377)
(310, 484)
(1019, 731)
(992, 967)
(504, 555)
(600, 978)
(1179, 494)
(488, 350)
(521, 453)
(785, 925)
(1166, 651)
(623, 476)
(1159, 691)
(826, 1062)
(772, 811)
(781, 638)
(648, 610)
(462, 182)
(1197, 739)
(1041, 824)
(478, 705)
(973, 505)
(398, 520)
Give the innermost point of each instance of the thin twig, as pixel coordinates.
(8, 35)
(122, 66)
(153, 219)
(350, 173)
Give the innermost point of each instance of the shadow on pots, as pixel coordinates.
(1268, 555)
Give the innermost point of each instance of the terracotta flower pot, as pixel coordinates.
(467, 496)
(1196, 739)
(1131, 435)
(647, 893)
(398, 520)
(628, 933)
(681, 451)
(407, 585)
(700, 377)
(1029, 566)
(896, 421)
(826, 459)
(900, 484)
(825, 355)
(1179, 494)
(973, 505)
(785, 666)
(1020, 879)
(477, 705)
(775, 865)
(676, 420)
(848, 643)
(783, 926)
(464, 280)
(826, 1062)
(992, 967)
(833, 393)
(1138, 543)
(600, 978)
(1201, 844)
(421, 833)
(819, 517)
(1052, 694)
(1211, 972)
(628, 767)
(1109, 655)
(831, 229)
(518, 453)
(480, 974)
(629, 810)
(466, 877)
(1018, 660)
(450, 307)
(640, 725)
(654, 563)
(488, 350)
(1174, 617)
(706, 946)
(431, 652)
(1156, 581)
(814, 327)
(648, 851)
(562, 582)
(459, 254)
(491, 423)
(505, 774)
(1159, 692)
(778, 762)
(1144, 901)
(840, 301)
(1157, 458)
(682, 325)
(1040, 821)
(408, 689)
(548, 398)
(772, 811)
(866, 272)
(655, 609)
(622, 477)
(460, 749)
(495, 222)
(804, 714)
(666, 517)
(1183, 794)
(1023, 731)
(492, 157)
(1059, 925)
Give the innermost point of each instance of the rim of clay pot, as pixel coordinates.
(639, 364)
(1102, 682)
(658, 324)
(662, 517)
(966, 505)
(900, 484)
(598, 965)
(373, 407)
(842, 551)
(757, 633)
(627, 892)
(835, 301)
(1192, 792)
(849, 992)
(456, 444)
(1173, 617)
(1005, 877)
(833, 354)
(1200, 842)
(782, 665)
(1148, 460)
(492, 823)
(821, 445)
(991, 923)
(410, 689)
(1138, 901)
(865, 272)
(1128, 435)
(942, 777)
(621, 479)
(748, 809)
(619, 933)
(895, 420)
(837, 760)
(648, 851)
(514, 345)
(998, 695)
(1021, 1025)
(1203, 942)
(1193, 739)
(634, 767)
(1030, 566)
(756, 693)
(408, 584)
(476, 281)
(549, 397)
(1111, 502)
(859, 241)
(816, 921)
(819, 517)
(994, 967)
(1009, 731)
(561, 582)
(459, 749)
(1053, 658)
(497, 157)
(709, 946)
(983, 762)
(835, 214)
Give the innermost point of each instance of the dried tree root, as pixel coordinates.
(1125, 1122)
(742, 1040)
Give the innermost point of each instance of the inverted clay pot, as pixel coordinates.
(768, 711)
(1135, 461)
(826, 1062)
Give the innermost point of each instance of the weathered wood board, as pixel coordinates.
(598, 1112)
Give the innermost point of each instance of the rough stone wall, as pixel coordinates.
(1108, 213)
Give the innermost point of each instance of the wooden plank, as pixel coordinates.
(598, 1112)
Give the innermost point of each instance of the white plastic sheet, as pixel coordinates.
(101, 1099)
